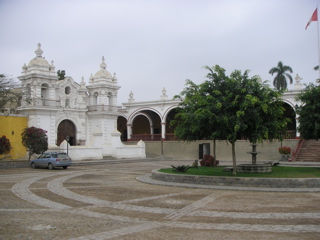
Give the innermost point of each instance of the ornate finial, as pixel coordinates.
(39, 51)
(164, 94)
(164, 91)
(103, 64)
(82, 83)
(297, 84)
(52, 66)
(91, 79)
(24, 67)
(298, 78)
(131, 99)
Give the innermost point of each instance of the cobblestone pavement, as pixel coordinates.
(105, 201)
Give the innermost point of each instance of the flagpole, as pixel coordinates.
(318, 45)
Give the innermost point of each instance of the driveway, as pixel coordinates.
(105, 201)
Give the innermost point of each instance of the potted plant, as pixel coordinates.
(285, 153)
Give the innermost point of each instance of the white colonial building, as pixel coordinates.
(90, 118)
(85, 116)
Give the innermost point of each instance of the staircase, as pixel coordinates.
(309, 152)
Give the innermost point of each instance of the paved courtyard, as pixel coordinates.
(105, 201)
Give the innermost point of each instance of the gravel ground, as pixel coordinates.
(106, 202)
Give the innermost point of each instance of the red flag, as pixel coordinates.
(314, 17)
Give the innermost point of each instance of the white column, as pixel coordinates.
(297, 126)
(129, 131)
(163, 130)
(151, 131)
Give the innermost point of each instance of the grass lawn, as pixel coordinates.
(277, 172)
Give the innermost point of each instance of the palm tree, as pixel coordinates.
(280, 81)
(316, 68)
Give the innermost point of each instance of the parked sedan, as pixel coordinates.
(51, 160)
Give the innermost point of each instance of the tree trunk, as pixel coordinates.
(214, 152)
(234, 161)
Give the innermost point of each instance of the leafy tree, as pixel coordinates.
(35, 140)
(61, 74)
(5, 145)
(9, 95)
(309, 112)
(229, 108)
(280, 80)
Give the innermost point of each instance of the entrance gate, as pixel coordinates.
(66, 129)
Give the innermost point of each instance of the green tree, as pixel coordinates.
(309, 112)
(5, 145)
(229, 108)
(9, 93)
(280, 80)
(61, 74)
(35, 140)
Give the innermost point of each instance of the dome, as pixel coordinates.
(102, 73)
(39, 61)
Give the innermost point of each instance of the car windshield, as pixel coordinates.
(62, 155)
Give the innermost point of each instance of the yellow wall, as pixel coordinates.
(11, 127)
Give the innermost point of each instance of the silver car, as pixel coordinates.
(51, 160)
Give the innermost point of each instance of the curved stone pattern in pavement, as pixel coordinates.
(106, 202)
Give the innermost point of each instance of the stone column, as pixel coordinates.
(163, 130)
(297, 126)
(129, 131)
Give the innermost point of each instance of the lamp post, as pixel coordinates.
(161, 155)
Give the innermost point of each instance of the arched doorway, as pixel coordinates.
(66, 129)
(292, 125)
(170, 129)
(146, 126)
(122, 127)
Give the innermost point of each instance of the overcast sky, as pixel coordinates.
(151, 44)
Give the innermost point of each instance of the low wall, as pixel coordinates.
(12, 127)
(268, 151)
(236, 181)
(79, 152)
(14, 164)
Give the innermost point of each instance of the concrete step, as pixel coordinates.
(108, 158)
(309, 152)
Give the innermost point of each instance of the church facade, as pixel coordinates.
(87, 120)
(83, 116)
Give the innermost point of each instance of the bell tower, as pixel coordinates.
(102, 108)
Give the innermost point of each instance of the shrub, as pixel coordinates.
(284, 150)
(182, 168)
(5, 145)
(35, 140)
(208, 161)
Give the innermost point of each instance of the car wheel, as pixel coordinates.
(50, 166)
(33, 165)
(65, 167)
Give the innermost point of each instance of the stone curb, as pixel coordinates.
(26, 163)
(149, 180)
(238, 181)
